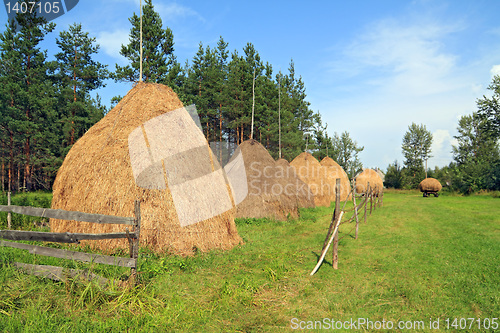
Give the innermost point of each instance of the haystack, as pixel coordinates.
(268, 195)
(304, 196)
(315, 176)
(371, 176)
(430, 185)
(334, 171)
(98, 176)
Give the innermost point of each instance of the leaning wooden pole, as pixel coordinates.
(279, 115)
(253, 103)
(9, 214)
(371, 199)
(140, 45)
(355, 208)
(323, 253)
(335, 255)
(366, 199)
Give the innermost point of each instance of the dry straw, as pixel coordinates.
(334, 171)
(304, 196)
(96, 177)
(270, 194)
(371, 176)
(430, 185)
(315, 176)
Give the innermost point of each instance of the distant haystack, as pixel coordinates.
(305, 198)
(310, 171)
(430, 185)
(334, 171)
(268, 194)
(98, 176)
(372, 177)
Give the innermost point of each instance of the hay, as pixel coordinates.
(310, 171)
(371, 176)
(97, 177)
(430, 185)
(334, 171)
(304, 196)
(268, 193)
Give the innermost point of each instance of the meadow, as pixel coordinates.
(418, 261)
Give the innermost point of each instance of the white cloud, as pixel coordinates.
(111, 42)
(174, 11)
(495, 70)
(408, 59)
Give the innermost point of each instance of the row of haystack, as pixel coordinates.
(106, 170)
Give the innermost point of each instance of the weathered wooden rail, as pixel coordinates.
(58, 273)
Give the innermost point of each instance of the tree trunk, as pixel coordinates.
(3, 176)
(11, 161)
(27, 169)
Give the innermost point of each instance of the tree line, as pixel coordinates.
(46, 104)
(476, 157)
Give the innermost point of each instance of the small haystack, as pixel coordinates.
(268, 194)
(334, 171)
(305, 198)
(315, 176)
(371, 176)
(98, 176)
(430, 185)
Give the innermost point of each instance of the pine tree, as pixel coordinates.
(78, 74)
(159, 62)
(27, 91)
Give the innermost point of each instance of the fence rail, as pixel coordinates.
(67, 215)
(66, 237)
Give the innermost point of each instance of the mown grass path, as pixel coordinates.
(416, 259)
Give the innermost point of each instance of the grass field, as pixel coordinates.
(416, 260)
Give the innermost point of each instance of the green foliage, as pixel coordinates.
(489, 109)
(394, 176)
(416, 148)
(77, 74)
(159, 63)
(477, 156)
(25, 222)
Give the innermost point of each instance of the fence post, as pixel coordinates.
(355, 208)
(335, 256)
(134, 243)
(371, 200)
(367, 198)
(9, 215)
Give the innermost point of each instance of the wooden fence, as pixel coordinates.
(371, 197)
(58, 273)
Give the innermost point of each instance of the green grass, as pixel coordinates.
(416, 258)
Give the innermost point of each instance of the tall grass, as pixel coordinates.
(416, 258)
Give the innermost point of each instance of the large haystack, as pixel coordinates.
(372, 177)
(268, 194)
(305, 198)
(334, 171)
(97, 176)
(430, 185)
(315, 176)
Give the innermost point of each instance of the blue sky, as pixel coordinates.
(370, 67)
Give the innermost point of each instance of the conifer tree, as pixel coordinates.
(27, 91)
(78, 74)
(159, 62)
